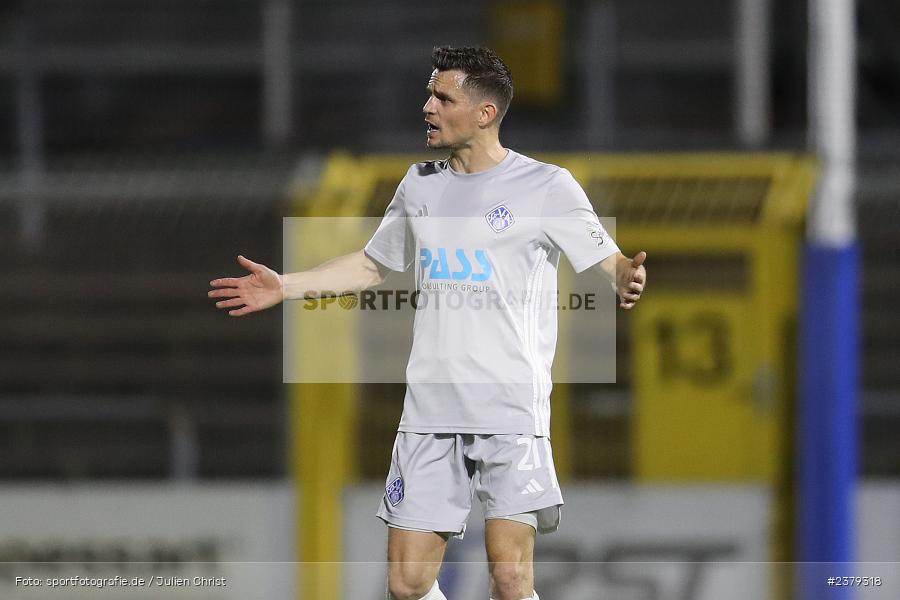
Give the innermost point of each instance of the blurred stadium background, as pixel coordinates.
(147, 142)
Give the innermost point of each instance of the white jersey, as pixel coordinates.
(486, 248)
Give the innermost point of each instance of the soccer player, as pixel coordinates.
(476, 416)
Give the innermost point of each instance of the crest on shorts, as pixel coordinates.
(395, 491)
(499, 218)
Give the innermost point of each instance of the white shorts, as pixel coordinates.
(433, 477)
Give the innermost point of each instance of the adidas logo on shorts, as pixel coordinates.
(533, 487)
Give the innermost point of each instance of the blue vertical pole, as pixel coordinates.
(827, 423)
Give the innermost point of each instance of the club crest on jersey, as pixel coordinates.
(499, 218)
(395, 491)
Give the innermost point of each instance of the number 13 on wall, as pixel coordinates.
(692, 369)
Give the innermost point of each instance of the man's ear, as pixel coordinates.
(488, 114)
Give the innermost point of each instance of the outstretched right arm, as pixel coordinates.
(264, 288)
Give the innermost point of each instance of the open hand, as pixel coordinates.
(244, 295)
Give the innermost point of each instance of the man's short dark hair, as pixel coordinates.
(485, 72)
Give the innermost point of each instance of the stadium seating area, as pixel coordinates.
(154, 184)
(114, 362)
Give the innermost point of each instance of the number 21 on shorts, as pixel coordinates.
(531, 460)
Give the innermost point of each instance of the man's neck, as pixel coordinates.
(477, 157)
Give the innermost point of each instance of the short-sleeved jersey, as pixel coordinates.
(485, 247)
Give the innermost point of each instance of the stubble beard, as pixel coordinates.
(436, 145)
